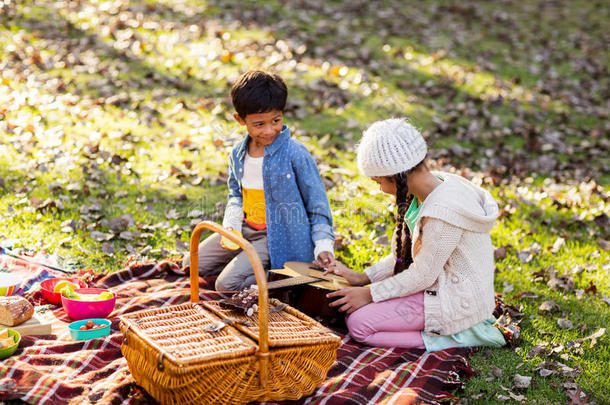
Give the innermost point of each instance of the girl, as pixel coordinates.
(436, 289)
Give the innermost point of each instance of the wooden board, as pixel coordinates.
(306, 269)
(290, 281)
(332, 284)
(36, 325)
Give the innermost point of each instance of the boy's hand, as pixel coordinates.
(324, 260)
(228, 244)
(352, 277)
(352, 298)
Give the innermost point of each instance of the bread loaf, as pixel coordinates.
(15, 310)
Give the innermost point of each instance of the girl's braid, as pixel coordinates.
(403, 200)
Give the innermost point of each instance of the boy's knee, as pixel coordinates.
(219, 285)
(227, 284)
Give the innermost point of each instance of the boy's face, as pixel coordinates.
(263, 127)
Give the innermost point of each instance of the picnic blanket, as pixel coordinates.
(53, 369)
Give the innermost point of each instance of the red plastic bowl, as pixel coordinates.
(78, 310)
(48, 285)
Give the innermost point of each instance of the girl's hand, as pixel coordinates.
(351, 299)
(324, 260)
(352, 277)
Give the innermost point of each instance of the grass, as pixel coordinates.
(112, 108)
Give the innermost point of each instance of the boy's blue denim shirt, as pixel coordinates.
(296, 204)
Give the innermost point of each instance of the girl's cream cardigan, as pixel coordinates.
(453, 258)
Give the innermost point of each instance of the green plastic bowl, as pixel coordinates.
(8, 351)
(78, 334)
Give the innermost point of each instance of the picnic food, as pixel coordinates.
(89, 328)
(65, 283)
(245, 301)
(69, 292)
(5, 339)
(86, 303)
(91, 325)
(53, 296)
(15, 310)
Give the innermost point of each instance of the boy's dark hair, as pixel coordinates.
(258, 92)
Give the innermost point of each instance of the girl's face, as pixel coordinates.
(386, 184)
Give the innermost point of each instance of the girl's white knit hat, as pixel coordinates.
(389, 147)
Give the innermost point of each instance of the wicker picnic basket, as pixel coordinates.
(202, 353)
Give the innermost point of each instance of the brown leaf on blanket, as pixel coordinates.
(380, 378)
(7, 385)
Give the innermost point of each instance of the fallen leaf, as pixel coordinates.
(604, 244)
(521, 381)
(565, 282)
(592, 289)
(500, 253)
(185, 143)
(172, 214)
(175, 171)
(600, 332)
(496, 371)
(339, 242)
(195, 214)
(577, 396)
(567, 371)
(518, 398)
(180, 245)
(526, 294)
(548, 306)
(107, 248)
(525, 256)
(382, 240)
(101, 236)
(121, 223)
(538, 350)
(126, 235)
(540, 275)
(559, 242)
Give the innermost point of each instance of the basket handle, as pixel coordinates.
(261, 281)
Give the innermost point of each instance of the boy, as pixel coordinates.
(276, 196)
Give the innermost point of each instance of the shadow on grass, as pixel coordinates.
(466, 128)
(353, 33)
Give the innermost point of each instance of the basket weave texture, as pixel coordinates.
(274, 355)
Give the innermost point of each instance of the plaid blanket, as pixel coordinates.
(54, 369)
